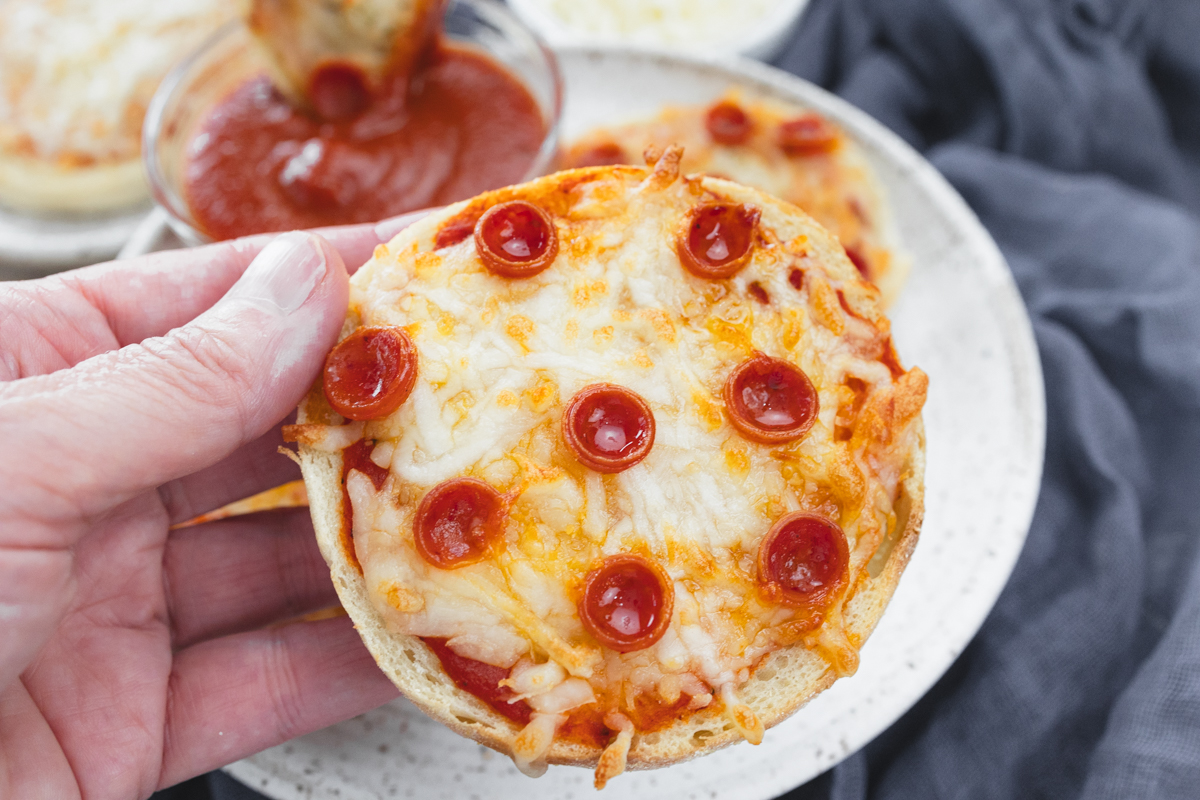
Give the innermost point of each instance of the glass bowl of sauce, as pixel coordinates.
(228, 155)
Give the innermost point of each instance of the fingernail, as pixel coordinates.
(283, 275)
(390, 227)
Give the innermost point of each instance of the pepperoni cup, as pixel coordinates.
(626, 603)
(601, 155)
(807, 135)
(770, 401)
(458, 522)
(803, 560)
(370, 372)
(516, 239)
(718, 239)
(727, 123)
(608, 427)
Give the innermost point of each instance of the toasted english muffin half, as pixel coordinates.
(788, 151)
(635, 594)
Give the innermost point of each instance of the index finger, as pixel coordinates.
(151, 294)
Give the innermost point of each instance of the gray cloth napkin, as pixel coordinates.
(1072, 127)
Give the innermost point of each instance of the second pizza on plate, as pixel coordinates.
(793, 153)
(616, 467)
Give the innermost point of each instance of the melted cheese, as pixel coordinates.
(838, 189)
(76, 75)
(499, 359)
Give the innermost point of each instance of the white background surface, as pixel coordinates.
(961, 320)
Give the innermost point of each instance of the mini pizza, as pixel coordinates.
(76, 77)
(793, 153)
(616, 467)
(333, 56)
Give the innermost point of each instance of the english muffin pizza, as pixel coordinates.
(793, 153)
(616, 467)
(76, 77)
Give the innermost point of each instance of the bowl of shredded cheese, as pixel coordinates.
(755, 28)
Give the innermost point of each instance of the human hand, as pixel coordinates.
(136, 395)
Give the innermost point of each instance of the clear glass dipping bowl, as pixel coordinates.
(230, 58)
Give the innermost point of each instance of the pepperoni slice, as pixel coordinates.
(859, 261)
(728, 124)
(802, 560)
(626, 603)
(370, 372)
(770, 401)
(458, 522)
(339, 92)
(608, 427)
(516, 239)
(602, 155)
(807, 135)
(718, 240)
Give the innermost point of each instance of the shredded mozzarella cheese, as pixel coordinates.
(76, 75)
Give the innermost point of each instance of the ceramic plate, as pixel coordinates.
(960, 319)
(32, 245)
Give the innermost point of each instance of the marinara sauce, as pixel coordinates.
(462, 125)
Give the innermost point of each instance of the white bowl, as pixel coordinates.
(763, 41)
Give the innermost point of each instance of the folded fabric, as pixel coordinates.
(1072, 127)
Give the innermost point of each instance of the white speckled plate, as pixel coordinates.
(961, 320)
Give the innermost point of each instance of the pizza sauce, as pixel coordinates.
(480, 679)
(462, 125)
(357, 457)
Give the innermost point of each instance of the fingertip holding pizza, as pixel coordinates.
(623, 509)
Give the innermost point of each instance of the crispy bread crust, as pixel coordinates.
(786, 680)
(32, 185)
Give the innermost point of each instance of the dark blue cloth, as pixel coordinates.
(1072, 127)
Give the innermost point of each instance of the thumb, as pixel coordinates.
(129, 420)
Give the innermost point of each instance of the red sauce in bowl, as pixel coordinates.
(461, 126)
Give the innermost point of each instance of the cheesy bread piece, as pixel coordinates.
(616, 467)
(790, 152)
(76, 77)
(331, 56)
